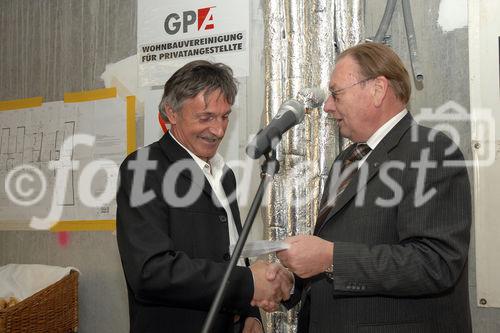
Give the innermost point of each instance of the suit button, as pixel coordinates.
(222, 218)
(226, 257)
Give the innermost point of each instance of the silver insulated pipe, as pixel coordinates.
(301, 40)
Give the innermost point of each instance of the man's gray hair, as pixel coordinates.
(195, 77)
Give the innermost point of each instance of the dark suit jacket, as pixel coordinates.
(397, 267)
(174, 255)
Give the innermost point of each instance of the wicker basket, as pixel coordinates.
(51, 310)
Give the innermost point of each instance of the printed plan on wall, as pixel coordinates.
(59, 160)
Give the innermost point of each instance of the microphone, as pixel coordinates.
(289, 114)
(311, 97)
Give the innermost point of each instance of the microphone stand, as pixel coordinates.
(268, 169)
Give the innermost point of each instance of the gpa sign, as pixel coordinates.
(173, 33)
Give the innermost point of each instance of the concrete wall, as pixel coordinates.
(48, 47)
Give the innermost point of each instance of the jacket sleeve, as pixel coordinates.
(252, 312)
(156, 271)
(433, 225)
(296, 296)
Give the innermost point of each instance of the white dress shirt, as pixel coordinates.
(213, 171)
(379, 134)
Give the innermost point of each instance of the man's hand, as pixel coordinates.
(272, 283)
(307, 255)
(276, 271)
(253, 325)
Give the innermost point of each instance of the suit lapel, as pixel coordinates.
(229, 186)
(338, 159)
(176, 153)
(377, 157)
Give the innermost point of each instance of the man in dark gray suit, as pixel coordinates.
(389, 250)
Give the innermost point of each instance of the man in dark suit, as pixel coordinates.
(389, 250)
(177, 215)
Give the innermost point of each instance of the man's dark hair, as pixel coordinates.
(195, 77)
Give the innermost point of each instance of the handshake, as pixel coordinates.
(307, 256)
(272, 284)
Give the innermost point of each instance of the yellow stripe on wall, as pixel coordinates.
(131, 130)
(89, 95)
(96, 225)
(17, 104)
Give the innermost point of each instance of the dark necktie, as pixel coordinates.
(349, 165)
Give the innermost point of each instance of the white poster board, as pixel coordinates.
(173, 33)
(484, 36)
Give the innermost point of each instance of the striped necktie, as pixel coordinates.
(350, 167)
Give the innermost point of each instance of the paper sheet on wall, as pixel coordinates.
(32, 140)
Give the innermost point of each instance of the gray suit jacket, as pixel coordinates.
(401, 234)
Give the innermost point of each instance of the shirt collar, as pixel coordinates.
(215, 164)
(376, 137)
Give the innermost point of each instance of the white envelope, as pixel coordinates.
(259, 247)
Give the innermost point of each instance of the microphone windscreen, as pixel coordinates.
(311, 97)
